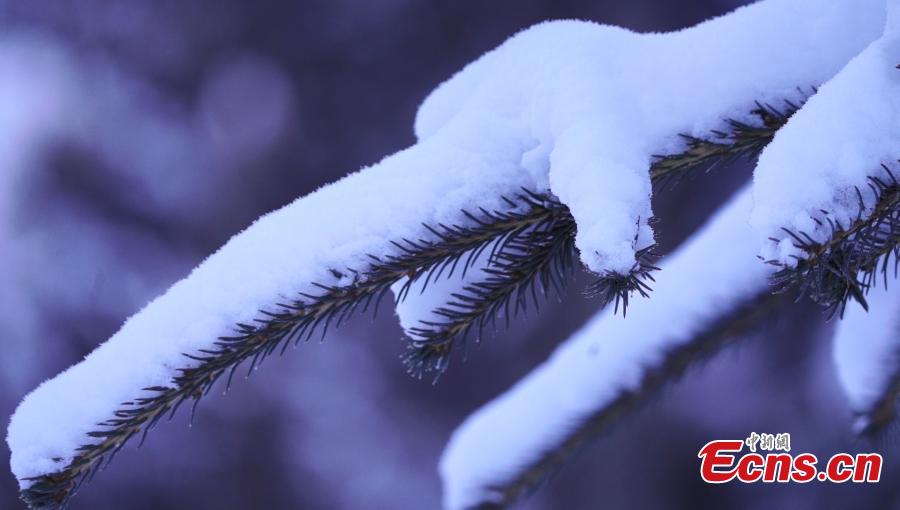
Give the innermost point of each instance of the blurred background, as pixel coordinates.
(137, 136)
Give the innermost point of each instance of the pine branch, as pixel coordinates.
(616, 288)
(453, 248)
(543, 262)
(845, 266)
(739, 140)
(533, 263)
(673, 365)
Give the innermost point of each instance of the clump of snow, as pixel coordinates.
(867, 350)
(596, 102)
(607, 357)
(574, 108)
(831, 146)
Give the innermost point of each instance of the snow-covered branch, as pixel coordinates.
(846, 264)
(827, 193)
(867, 356)
(527, 264)
(739, 140)
(611, 365)
(198, 370)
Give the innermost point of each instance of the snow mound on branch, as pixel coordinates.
(281, 254)
(867, 351)
(570, 107)
(608, 357)
(829, 148)
(597, 102)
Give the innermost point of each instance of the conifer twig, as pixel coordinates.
(739, 140)
(534, 262)
(535, 259)
(617, 289)
(275, 330)
(845, 266)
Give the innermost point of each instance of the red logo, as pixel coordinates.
(722, 461)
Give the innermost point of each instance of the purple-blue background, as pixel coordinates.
(137, 136)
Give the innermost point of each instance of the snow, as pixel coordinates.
(571, 107)
(839, 138)
(566, 112)
(867, 350)
(425, 296)
(607, 357)
(279, 255)
(606, 99)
